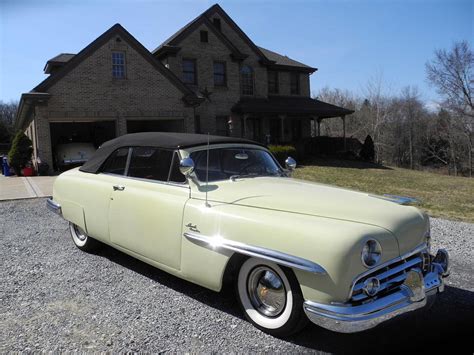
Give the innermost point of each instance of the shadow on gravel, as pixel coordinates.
(447, 325)
(223, 301)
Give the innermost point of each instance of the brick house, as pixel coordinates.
(207, 77)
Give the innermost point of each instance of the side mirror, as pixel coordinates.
(186, 166)
(290, 163)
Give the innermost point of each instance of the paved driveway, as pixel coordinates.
(14, 187)
(53, 297)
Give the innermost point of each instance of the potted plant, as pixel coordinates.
(28, 170)
(20, 153)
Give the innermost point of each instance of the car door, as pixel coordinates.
(97, 193)
(146, 208)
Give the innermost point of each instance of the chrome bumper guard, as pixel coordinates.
(53, 206)
(416, 292)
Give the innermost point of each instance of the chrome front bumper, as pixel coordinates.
(53, 206)
(416, 292)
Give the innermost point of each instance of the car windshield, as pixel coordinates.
(233, 163)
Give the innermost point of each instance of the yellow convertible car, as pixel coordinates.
(216, 210)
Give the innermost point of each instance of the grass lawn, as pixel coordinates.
(440, 195)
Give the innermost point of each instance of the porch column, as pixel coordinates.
(244, 125)
(43, 131)
(282, 128)
(344, 131)
(319, 126)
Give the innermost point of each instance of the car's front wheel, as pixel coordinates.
(270, 297)
(81, 239)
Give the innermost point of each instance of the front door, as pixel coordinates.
(146, 209)
(275, 130)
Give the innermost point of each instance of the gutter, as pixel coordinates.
(27, 102)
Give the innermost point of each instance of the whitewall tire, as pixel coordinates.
(81, 239)
(270, 297)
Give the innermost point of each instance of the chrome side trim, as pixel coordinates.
(175, 184)
(53, 206)
(401, 200)
(418, 249)
(284, 259)
(73, 161)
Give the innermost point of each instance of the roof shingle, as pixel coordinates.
(280, 59)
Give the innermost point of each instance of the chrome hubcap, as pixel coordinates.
(80, 233)
(267, 291)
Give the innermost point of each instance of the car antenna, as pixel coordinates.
(207, 169)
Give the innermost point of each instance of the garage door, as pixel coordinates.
(95, 133)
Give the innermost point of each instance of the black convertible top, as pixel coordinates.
(154, 139)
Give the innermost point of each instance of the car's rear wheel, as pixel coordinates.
(81, 239)
(270, 297)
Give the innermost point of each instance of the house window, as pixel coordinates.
(294, 83)
(246, 79)
(222, 126)
(118, 65)
(273, 87)
(220, 74)
(204, 36)
(217, 23)
(189, 71)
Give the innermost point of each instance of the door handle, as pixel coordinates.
(119, 187)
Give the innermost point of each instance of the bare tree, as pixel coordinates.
(412, 109)
(376, 109)
(452, 73)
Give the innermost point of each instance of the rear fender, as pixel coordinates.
(74, 213)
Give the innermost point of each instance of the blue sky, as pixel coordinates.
(349, 41)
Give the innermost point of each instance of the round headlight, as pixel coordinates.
(371, 253)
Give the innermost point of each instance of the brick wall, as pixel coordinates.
(90, 90)
(90, 93)
(223, 98)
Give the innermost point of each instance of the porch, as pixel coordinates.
(280, 120)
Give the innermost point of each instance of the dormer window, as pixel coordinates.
(118, 65)
(217, 23)
(204, 36)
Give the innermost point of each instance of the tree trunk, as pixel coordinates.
(470, 156)
(453, 156)
(410, 142)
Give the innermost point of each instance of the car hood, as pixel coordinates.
(406, 223)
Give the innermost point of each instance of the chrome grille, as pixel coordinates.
(390, 276)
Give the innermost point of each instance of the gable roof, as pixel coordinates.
(217, 9)
(266, 56)
(115, 30)
(188, 29)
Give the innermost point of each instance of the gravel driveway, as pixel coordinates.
(54, 297)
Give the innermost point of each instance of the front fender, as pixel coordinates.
(333, 244)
